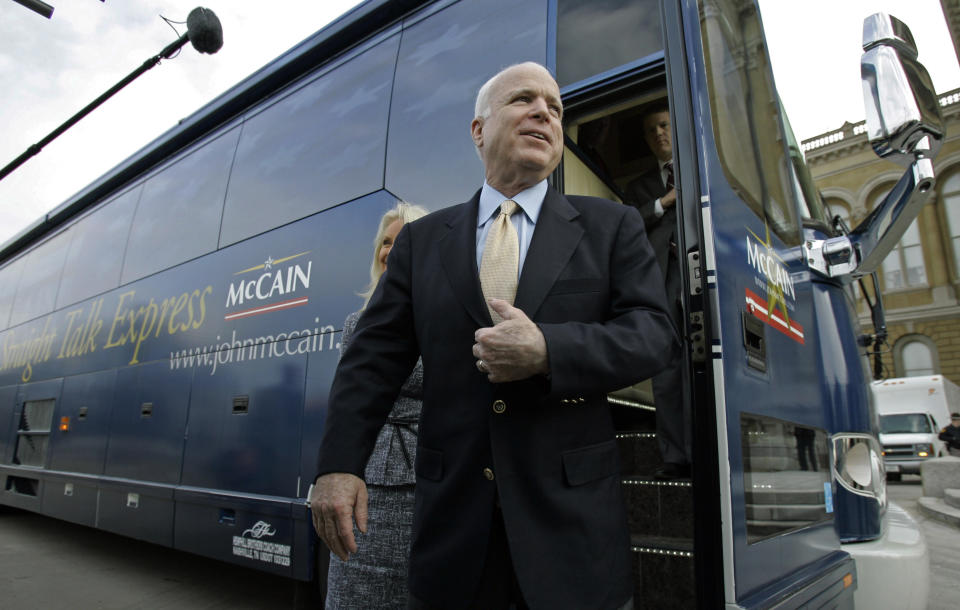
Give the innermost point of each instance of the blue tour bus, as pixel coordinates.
(169, 334)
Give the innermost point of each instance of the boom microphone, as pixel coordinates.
(204, 30)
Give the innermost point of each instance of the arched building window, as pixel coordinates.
(836, 208)
(915, 355)
(950, 192)
(904, 266)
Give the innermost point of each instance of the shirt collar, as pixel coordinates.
(529, 200)
(662, 163)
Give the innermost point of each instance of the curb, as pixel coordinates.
(952, 497)
(939, 510)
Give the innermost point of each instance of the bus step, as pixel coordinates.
(663, 572)
(639, 453)
(632, 415)
(659, 508)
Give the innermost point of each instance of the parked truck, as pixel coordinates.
(912, 410)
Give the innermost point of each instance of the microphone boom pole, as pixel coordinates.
(206, 38)
(41, 8)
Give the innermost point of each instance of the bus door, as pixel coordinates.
(776, 509)
(608, 91)
(8, 401)
(32, 429)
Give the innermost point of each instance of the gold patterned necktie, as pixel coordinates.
(501, 256)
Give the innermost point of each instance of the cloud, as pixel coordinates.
(50, 69)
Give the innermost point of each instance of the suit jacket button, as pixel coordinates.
(499, 406)
(488, 474)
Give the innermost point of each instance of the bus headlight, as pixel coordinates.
(858, 466)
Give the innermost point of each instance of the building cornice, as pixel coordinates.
(915, 314)
(851, 138)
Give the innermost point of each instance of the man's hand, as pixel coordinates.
(337, 498)
(512, 350)
(669, 199)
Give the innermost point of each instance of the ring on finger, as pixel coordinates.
(481, 366)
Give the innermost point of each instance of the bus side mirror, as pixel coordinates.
(902, 110)
(905, 125)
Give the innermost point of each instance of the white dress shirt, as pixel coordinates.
(530, 202)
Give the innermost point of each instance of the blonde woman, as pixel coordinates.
(376, 576)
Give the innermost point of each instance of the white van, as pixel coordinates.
(912, 411)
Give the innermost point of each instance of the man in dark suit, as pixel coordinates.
(654, 194)
(518, 497)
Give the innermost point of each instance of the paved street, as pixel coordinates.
(50, 564)
(45, 563)
(942, 540)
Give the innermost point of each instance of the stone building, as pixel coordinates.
(920, 279)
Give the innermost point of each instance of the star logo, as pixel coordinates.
(270, 262)
(775, 296)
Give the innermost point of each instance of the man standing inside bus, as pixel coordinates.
(527, 308)
(654, 194)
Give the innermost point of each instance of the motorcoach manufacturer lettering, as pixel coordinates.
(250, 545)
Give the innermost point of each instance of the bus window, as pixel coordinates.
(178, 217)
(593, 37)
(317, 147)
(812, 209)
(745, 112)
(96, 251)
(37, 290)
(451, 54)
(606, 149)
(9, 278)
(786, 469)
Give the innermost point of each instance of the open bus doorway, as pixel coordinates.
(606, 155)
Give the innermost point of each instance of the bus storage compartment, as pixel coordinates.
(146, 444)
(243, 423)
(82, 425)
(256, 532)
(138, 510)
(71, 498)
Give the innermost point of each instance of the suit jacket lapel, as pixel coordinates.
(554, 241)
(459, 259)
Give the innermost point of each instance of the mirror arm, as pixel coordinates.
(861, 252)
(892, 217)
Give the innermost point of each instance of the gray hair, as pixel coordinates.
(481, 109)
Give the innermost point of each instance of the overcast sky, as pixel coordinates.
(815, 51)
(50, 69)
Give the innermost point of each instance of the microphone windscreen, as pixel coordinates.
(204, 30)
